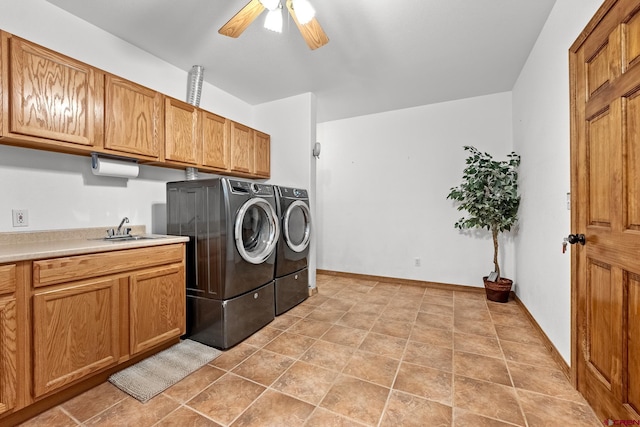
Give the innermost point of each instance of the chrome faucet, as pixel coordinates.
(119, 230)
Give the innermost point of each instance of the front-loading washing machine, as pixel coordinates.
(233, 231)
(292, 253)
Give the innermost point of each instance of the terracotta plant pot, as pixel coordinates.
(498, 291)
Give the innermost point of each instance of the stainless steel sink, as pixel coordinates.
(128, 237)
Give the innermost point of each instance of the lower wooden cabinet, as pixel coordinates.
(156, 307)
(65, 321)
(8, 338)
(8, 353)
(75, 332)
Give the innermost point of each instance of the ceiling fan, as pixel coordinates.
(301, 11)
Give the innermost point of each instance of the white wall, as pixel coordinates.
(59, 190)
(382, 186)
(541, 136)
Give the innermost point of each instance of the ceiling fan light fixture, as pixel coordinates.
(273, 21)
(270, 4)
(304, 11)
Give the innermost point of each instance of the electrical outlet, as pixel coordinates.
(20, 217)
(417, 262)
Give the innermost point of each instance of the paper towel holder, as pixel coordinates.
(129, 166)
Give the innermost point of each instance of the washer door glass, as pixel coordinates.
(297, 226)
(256, 230)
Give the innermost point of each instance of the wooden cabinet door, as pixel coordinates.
(241, 148)
(605, 151)
(262, 154)
(215, 141)
(52, 96)
(133, 119)
(157, 302)
(8, 353)
(75, 332)
(182, 139)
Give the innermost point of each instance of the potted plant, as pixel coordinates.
(489, 195)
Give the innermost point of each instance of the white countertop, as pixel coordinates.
(32, 248)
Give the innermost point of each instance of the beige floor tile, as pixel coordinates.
(292, 345)
(93, 401)
(263, 367)
(194, 383)
(356, 399)
(438, 321)
(488, 399)
(284, 321)
(54, 417)
(439, 337)
(384, 345)
(395, 328)
(551, 382)
(275, 409)
(438, 299)
(324, 418)
(131, 412)
(543, 410)
(185, 417)
(529, 354)
(437, 309)
(306, 382)
(477, 344)
(512, 333)
(429, 355)
(399, 314)
(227, 398)
(481, 367)
(411, 411)
(373, 368)
(470, 326)
(462, 418)
(233, 357)
(309, 327)
(429, 383)
(337, 304)
(358, 320)
(326, 315)
(328, 355)
(344, 335)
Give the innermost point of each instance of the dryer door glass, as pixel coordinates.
(256, 230)
(297, 226)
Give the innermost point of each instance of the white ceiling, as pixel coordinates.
(382, 55)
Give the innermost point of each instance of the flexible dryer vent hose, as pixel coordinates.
(194, 90)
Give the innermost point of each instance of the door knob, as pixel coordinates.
(576, 238)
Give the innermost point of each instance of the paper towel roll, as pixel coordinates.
(114, 167)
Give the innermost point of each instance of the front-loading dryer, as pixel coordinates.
(233, 229)
(292, 253)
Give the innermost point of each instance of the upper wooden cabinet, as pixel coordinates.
(215, 141)
(182, 135)
(241, 148)
(49, 101)
(262, 154)
(133, 119)
(250, 151)
(48, 96)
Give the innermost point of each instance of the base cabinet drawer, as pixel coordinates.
(75, 332)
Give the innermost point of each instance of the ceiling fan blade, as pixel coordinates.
(242, 19)
(312, 32)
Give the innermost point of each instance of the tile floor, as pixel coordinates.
(362, 353)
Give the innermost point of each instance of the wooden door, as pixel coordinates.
(182, 139)
(241, 148)
(156, 306)
(133, 118)
(51, 96)
(75, 332)
(605, 148)
(215, 141)
(262, 154)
